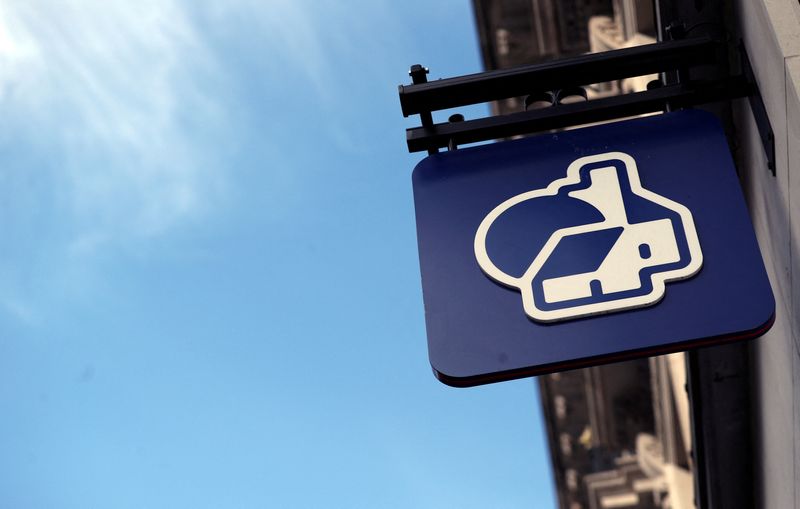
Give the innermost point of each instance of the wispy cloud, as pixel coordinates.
(117, 117)
(112, 122)
(117, 92)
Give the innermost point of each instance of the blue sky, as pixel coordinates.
(209, 290)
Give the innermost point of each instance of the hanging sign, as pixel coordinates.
(587, 246)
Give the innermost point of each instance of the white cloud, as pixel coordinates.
(118, 92)
(118, 116)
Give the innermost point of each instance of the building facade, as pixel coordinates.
(770, 30)
(629, 434)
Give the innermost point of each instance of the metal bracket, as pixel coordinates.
(547, 79)
(759, 110)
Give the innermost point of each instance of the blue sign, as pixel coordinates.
(587, 246)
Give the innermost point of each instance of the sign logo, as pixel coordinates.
(629, 245)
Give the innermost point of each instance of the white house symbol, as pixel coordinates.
(619, 272)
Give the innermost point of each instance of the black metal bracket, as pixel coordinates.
(547, 79)
(759, 110)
